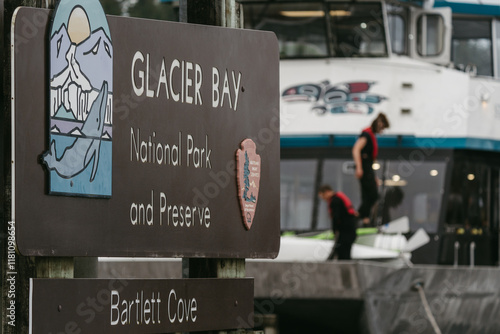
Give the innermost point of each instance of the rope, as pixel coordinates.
(427, 308)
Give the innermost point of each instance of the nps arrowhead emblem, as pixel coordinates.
(248, 177)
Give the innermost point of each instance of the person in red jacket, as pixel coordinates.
(344, 220)
(364, 152)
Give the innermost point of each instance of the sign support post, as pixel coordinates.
(54, 267)
(225, 13)
(25, 267)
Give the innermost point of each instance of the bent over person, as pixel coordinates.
(364, 153)
(343, 218)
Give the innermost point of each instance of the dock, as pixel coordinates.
(354, 296)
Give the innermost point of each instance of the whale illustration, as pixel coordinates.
(78, 156)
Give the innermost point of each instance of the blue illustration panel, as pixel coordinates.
(81, 101)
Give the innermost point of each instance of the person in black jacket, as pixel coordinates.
(343, 218)
(364, 152)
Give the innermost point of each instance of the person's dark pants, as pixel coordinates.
(343, 247)
(369, 194)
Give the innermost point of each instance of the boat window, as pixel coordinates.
(397, 21)
(397, 30)
(300, 27)
(411, 188)
(297, 193)
(354, 30)
(472, 47)
(357, 30)
(430, 32)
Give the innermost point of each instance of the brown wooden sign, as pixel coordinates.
(139, 306)
(184, 98)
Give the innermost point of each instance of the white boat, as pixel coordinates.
(433, 68)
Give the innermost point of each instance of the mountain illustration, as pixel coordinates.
(63, 113)
(99, 46)
(59, 46)
(55, 129)
(71, 73)
(76, 132)
(106, 136)
(76, 77)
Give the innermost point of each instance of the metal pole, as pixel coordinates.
(472, 253)
(455, 253)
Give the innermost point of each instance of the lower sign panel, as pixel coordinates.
(139, 306)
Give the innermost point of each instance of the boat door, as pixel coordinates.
(430, 35)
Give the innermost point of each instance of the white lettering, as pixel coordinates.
(182, 309)
(162, 80)
(145, 310)
(199, 157)
(182, 81)
(189, 82)
(114, 307)
(151, 151)
(198, 78)
(138, 90)
(182, 216)
(142, 214)
(215, 87)
(175, 64)
(236, 89)
(149, 92)
(225, 91)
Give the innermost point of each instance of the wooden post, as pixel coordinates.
(17, 272)
(54, 267)
(213, 268)
(224, 13)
